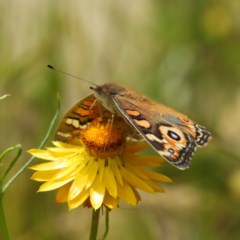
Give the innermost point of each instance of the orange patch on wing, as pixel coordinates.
(175, 154)
(82, 112)
(185, 119)
(89, 103)
(133, 112)
(189, 131)
(143, 123)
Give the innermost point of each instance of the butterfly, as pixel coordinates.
(172, 134)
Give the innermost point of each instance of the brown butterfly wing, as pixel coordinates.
(77, 119)
(170, 133)
(199, 133)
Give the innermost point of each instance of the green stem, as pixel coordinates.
(106, 225)
(3, 224)
(50, 129)
(94, 226)
(18, 147)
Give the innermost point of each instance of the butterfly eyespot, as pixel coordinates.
(171, 150)
(173, 135)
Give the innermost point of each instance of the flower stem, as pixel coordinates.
(94, 226)
(3, 224)
(106, 225)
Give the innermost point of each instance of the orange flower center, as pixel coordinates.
(104, 139)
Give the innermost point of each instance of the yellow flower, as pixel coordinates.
(99, 168)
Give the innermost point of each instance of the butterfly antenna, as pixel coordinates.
(71, 75)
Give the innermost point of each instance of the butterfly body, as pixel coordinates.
(172, 134)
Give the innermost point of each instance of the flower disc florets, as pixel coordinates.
(104, 140)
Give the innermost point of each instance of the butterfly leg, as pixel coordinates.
(110, 132)
(99, 108)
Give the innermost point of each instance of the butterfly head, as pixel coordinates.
(104, 94)
(108, 89)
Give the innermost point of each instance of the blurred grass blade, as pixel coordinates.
(4, 96)
(50, 130)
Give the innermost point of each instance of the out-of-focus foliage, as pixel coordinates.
(185, 54)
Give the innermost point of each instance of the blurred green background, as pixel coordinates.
(185, 54)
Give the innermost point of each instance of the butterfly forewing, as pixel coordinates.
(77, 119)
(83, 113)
(170, 133)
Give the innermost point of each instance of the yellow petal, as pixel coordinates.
(157, 176)
(101, 164)
(44, 176)
(42, 154)
(79, 183)
(138, 171)
(126, 193)
(91, 172)
(97, 192)
(69, 171)
(52, 165)
(110, 202)
(136, 147)
(80, 199)
(156, 187)
(51, 185)
(114, 167)
(77, 187)
(135, 181)
(62, 193)
(109, 182)
(151, 161)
